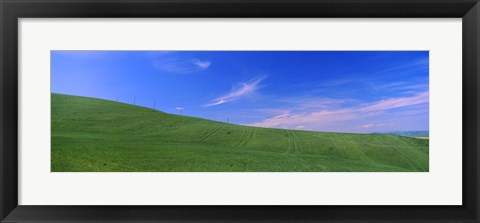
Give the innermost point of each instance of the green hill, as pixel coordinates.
(98, 135)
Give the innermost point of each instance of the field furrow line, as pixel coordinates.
(174, 128)
(336, 146)
(142, 126)
(290, 142)
(244, 135)
(204, 133)
(248, 137)
(211, 133)
(294, 143)
(361, 143)
(405, 157)
(311, 144)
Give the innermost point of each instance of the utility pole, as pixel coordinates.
(181, 112)
(154, 104)
(134, 100)
(181, 115)
(228, 120)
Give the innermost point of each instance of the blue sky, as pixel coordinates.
(338, 91)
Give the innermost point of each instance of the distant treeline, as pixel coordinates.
(408, 133)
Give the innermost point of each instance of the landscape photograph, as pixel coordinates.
(239, 111)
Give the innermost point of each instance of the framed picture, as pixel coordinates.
(227, 111)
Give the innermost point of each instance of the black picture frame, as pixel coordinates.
(12, 10)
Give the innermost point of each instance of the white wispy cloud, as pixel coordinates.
(414, 64)
(395, 103)
(322, 116)
(244, 89)
(371, 81)
(315, 103)
(171, 63)
(202, 64)
(366, 126)
(402, 87)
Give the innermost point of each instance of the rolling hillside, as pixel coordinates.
(98, 135)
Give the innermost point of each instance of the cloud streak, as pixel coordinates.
(322, 117)
(170, 63)
(244, 89)
(203, 65)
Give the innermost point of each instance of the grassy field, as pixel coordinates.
(99, 135)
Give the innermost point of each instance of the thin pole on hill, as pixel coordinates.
(228, 120)
(116, 99)
(134, 100)
(154, 104)
(180, 109)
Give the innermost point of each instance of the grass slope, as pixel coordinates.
(99, 135)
